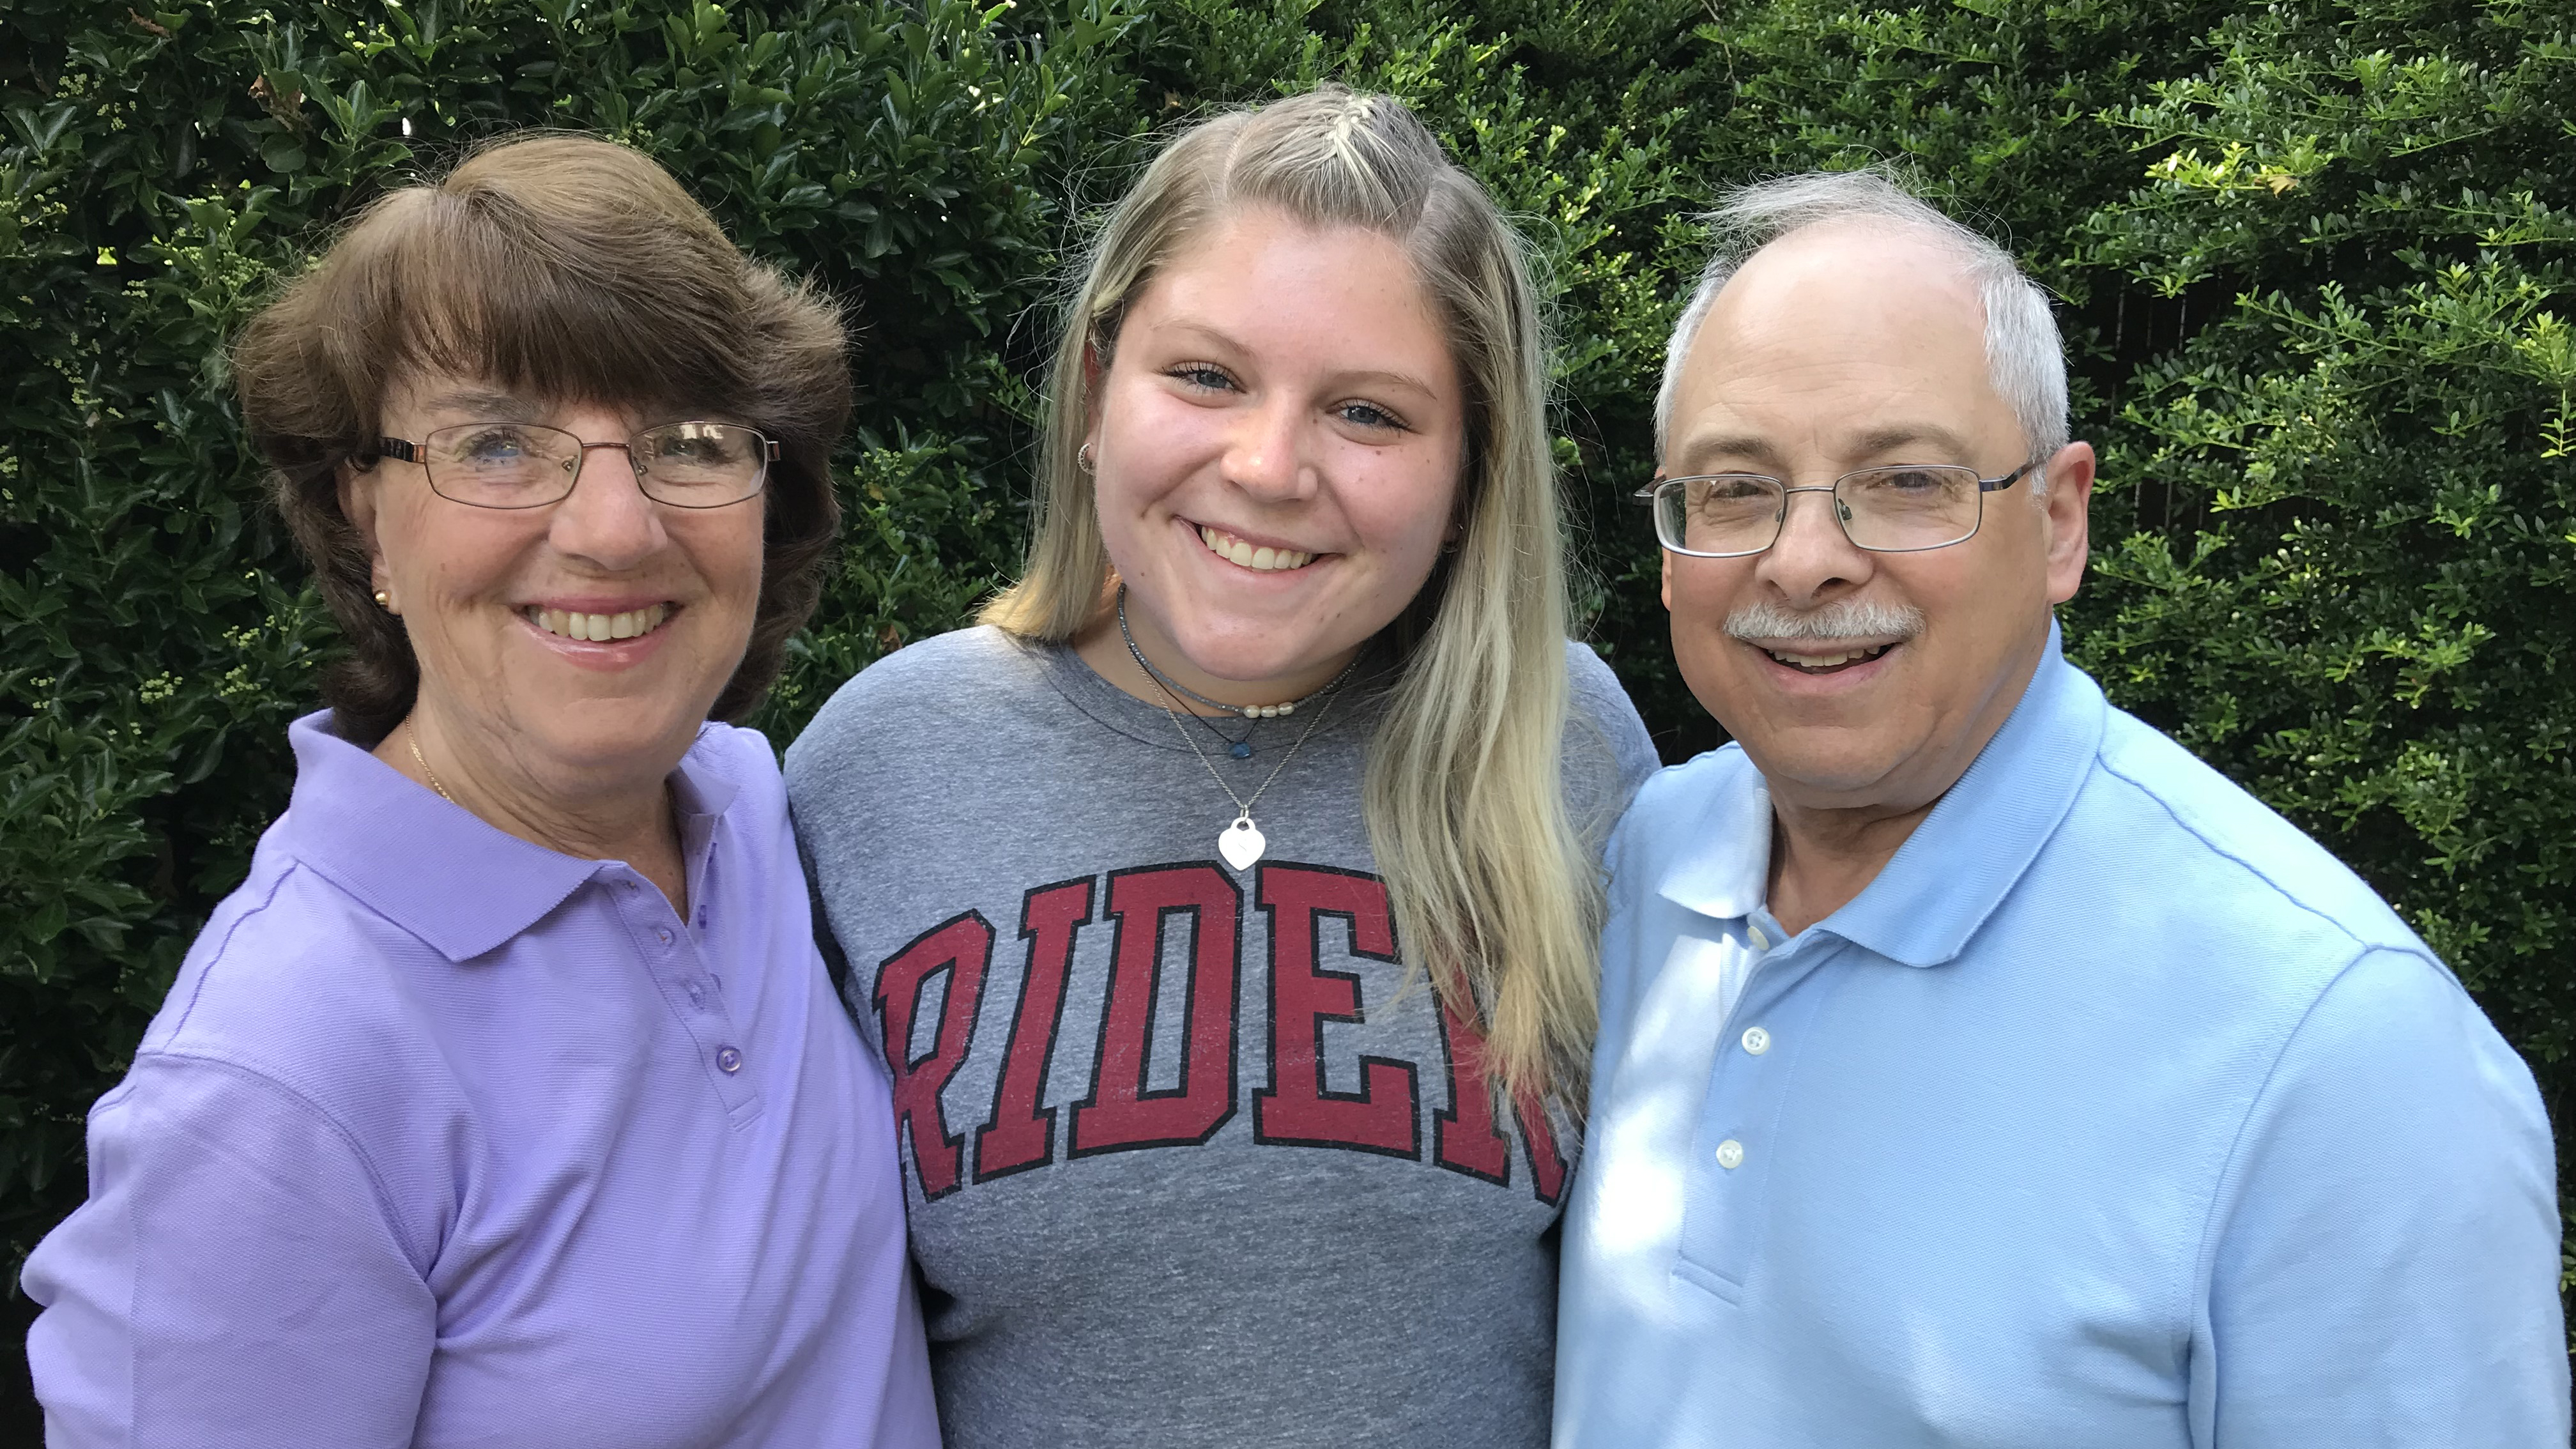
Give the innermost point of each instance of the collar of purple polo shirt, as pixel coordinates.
(365, 827)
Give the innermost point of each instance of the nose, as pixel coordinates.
(1813, 555)
(1265, 459)
(607, 519)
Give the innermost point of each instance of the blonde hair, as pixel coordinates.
(1495, 894)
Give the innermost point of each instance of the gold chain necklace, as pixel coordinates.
(414, 738)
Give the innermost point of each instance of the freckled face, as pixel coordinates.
(489, 596)
(1277, 442)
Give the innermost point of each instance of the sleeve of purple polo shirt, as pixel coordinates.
(233, 1280)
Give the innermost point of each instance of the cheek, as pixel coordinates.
(1699, 594)
(458, 555)
(1151, 442)
(731, 559)
(1402, 509)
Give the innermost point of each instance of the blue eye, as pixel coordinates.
(1369, 415)
(1203, 377)
(494, 445)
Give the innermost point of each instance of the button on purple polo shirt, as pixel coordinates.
(444, 1139)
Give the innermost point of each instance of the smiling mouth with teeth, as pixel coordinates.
(598, 628)
(1261, 560)
(1828, 663)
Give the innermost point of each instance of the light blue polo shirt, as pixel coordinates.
(2114, 1112)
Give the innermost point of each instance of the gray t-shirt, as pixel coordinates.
(1192, 1158)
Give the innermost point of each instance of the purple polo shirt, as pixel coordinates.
(444, 1139)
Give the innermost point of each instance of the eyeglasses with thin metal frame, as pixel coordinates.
(530, 465)
(1898, 508)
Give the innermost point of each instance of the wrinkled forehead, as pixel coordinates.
(1833, 340)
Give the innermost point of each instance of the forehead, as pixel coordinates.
(1829, 340)
(435, 395)
(1268, 279)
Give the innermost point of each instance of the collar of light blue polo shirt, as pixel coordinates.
(1959, 863)
(430, 866)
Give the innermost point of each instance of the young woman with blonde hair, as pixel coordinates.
(1139, 883)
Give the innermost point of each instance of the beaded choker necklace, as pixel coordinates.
(1246, 711)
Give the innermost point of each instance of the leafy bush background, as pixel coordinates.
(2315, 262)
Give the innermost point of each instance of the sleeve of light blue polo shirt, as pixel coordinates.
(233, 1279)
(2382, 1267)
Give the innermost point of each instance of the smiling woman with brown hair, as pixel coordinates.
(507, 1101)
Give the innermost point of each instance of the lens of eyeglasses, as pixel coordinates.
(502, 465)
(1897, 510)
(700, 465)
(529, 465)
(1732, 513)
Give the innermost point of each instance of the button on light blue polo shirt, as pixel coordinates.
(2114, 1112)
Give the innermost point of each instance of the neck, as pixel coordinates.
(1104, 648)
(609, 814)
(1821, 859)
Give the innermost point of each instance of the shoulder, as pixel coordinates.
(1673, 805)
(973, 660)
(295, 981)
(910, 696)
(1594, 693)
(1603, 723)
(2238, 860)
(742, 758)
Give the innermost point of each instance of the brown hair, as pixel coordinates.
(572, 269)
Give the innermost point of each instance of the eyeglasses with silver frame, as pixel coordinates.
(1898, 508)
(530, 465)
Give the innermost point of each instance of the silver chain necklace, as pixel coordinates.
(1242, 842)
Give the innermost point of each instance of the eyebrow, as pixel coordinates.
(486, 403)
(1907, 435)
(1875, 443)
(1731, 447)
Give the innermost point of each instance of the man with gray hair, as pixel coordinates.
(1977, 1067)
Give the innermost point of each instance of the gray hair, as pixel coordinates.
(2025, 358)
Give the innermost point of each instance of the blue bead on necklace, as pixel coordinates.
(1240, 749)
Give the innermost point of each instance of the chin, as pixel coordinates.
(1850, 776)
(1245, 651)
(610, 733)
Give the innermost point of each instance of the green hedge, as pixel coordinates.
(2315, 260)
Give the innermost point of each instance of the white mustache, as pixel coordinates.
(1765, 622)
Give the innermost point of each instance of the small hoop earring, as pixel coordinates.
(384, 601)
(1082, 458)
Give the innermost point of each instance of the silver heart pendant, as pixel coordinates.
(1241, 843)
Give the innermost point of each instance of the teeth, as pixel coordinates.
(1826, 661)
(600, 628)
(1267, 560)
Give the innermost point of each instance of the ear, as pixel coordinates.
(358, 488)
(2069, 509)
(1095, 370)
(1668, 578)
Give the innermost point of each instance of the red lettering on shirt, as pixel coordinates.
(961, 946)
(1465, 1137)
(1385, 1115)
(1021, 1134)
(1120, 1114)
(1538, 1140)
